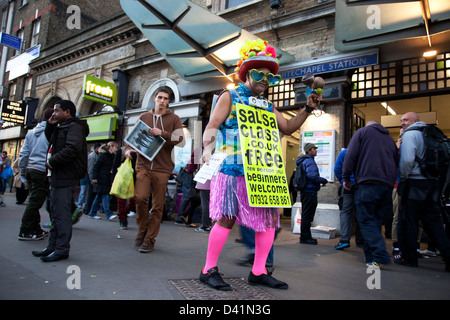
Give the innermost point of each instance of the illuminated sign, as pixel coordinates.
(15, 112)
(345, 63)
(100, 90)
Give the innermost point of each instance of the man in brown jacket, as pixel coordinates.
(154, 175)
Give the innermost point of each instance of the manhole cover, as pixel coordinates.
(193, 289)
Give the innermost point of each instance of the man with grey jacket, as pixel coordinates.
(32, 168)
(92, 158)
(419, 198)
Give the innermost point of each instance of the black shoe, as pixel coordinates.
(404, 262)
(77, 213)
(123, 225)
(54, 257)
(42, 253)
(308, 241)
(342, 245)
(214, 279)
(266, 280)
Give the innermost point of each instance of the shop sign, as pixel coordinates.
(15, 112)
(10, 41)
(331, 66)
(20, 65)
(264, 168)
(102, 127)
(99, 90)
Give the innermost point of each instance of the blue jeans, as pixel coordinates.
(372, 202)
(105, 204)
(248, 239)
(82, 195)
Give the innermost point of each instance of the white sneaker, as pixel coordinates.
(131, 214)
(428, 253)
(95, 217)
(114, 216)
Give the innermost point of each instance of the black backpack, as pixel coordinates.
(300, 179)
(436, 159)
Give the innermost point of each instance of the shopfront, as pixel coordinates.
(413, 71)
(12, 133)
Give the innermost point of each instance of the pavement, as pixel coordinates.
(105, 265)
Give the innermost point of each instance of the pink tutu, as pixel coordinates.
(228, 198)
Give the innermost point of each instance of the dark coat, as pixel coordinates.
(371, 156)
(68, 152)
(102, 172)
(312, 173)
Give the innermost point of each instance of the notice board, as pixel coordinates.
(325, 142)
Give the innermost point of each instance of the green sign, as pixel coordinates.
(264, 169)
(102, 127)
(100, 90)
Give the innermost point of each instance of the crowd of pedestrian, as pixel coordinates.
(381, 182)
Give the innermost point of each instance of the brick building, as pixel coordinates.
(97, 39)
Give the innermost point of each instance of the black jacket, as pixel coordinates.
(102, 172)
(68, 149)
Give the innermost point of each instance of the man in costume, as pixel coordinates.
(229, 203)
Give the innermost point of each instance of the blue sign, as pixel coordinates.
(10, 41)
(337, 65)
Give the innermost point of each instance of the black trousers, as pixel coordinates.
(309, 205)
(420, 201)
(61, 230)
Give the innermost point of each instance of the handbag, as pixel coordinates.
(123, 183)
(7, 173)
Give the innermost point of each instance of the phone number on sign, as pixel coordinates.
(269, 200)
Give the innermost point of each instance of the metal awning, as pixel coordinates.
(195, 42)
(368, 23)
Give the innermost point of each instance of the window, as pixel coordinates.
(282, 95)
(20, 35)
(378, 80)
(35, 34)
(27, 87)
(402, 77)
(421, 74)
(12, 92)
(234, 3)
(4, 20)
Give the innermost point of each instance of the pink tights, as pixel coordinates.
(218, 236)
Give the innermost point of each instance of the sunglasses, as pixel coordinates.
(258, 76)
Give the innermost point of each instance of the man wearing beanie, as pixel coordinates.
(309, 193)
(32, 167)
(66, 164)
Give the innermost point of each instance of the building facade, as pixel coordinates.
(82, 40)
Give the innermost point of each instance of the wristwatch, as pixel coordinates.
(308, 108)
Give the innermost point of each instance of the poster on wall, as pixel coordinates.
(325, 158)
